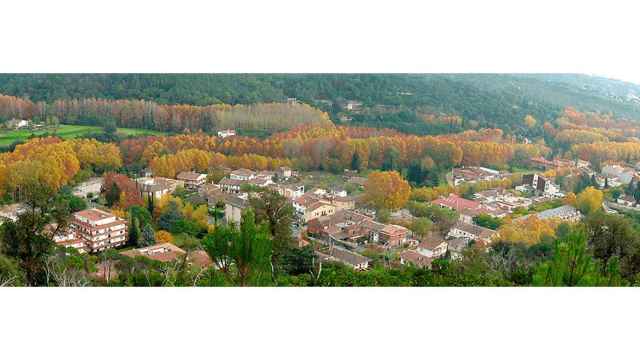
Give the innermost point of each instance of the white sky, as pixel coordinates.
(594, 37)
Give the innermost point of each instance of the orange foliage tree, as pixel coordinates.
(387, 190)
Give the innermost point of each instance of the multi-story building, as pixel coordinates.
(99, 230)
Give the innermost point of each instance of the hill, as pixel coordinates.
(401, 101)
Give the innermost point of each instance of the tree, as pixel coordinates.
(275, 210)
(10, 272)
(218, 246)
(164, 237)
(572, 265)
(141, 214)
(148, 235)
(421, 226)
(135, 236)
(252, 251)
(487, 221)
(26, 239)
(589, 200)
(530, 121)
(386, 190)
(248, 248)
(170, 217)
(113, 195)
(613, 237)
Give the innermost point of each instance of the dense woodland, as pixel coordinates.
(480, 100)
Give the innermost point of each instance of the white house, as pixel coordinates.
(226, 133)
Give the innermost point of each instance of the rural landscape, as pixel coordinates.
(320, 180)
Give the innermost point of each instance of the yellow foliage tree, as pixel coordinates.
(589, 200)
(530, 121)
(387, 190)
(527, 231)
(163, 236)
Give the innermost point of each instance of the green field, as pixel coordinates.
(67, 132)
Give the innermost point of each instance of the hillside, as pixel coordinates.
(389, 100)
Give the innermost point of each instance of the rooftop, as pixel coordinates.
(94, 214)
(189, 176)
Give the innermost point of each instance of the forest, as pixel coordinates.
(389, 100)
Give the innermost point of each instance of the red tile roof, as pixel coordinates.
(456, 202)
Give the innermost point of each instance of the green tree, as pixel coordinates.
(252, 251)
(26, 239)
(278, 213)
(169, 217)
(148, 235)
(573, 265)
(135, 236)
(141, 214)
(112, 195)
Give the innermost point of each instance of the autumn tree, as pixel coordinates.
(387, 190)
(589, 200)
(529, 121)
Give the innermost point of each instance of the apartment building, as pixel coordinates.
(99, 230)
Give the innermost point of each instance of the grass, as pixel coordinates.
(67, 132)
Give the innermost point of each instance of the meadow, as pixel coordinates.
(66, 132)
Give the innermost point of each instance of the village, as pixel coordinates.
(337, 221)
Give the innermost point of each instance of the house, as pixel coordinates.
(501, 201)
(318, 209)
(290, 191)
(356, 261)
(233, 208)
(626, 200)
(16, 124)
(226, 133)
(242, 174)
(11, 212)
(541, 162)
(623, 174)
(465, 207)
(563, 213)
(231, 185)
(473, 174)
(192, 180)
(432, 246)
(284, 172)
(92, 186)
(471, 232)
(99, 229)
(352, 227)
(357, 180)
(339, 192)
(261, 181)
(352, 105)
(164, 252)
(416, 259)
(342, 202)
(393, 235)
(156, 187)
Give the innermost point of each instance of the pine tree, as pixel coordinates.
(148, 235)
(134, 233)
(150, 203)
(113, 195)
